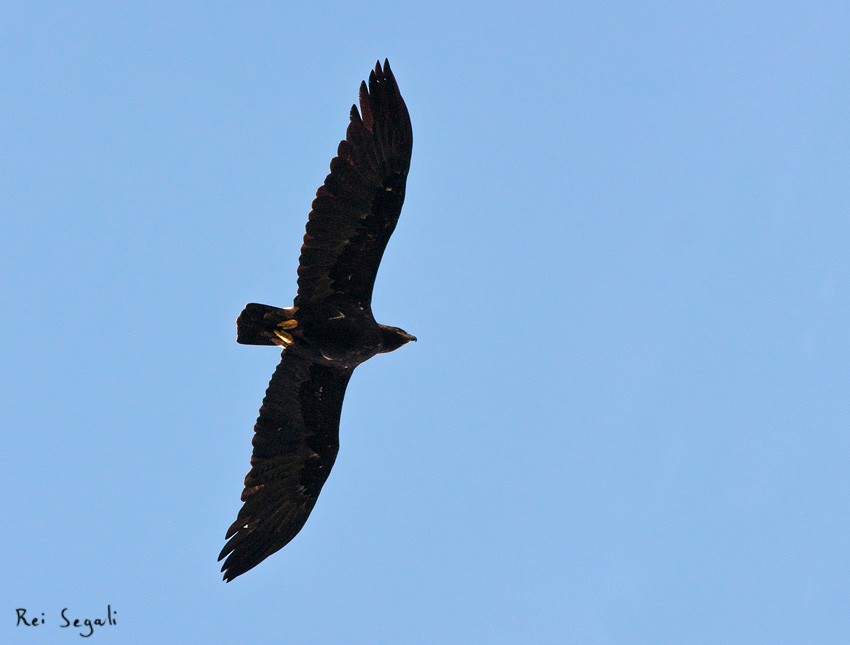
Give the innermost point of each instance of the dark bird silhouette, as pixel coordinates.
(328, 331)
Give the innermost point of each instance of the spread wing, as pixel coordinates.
(357, 208)
(295, 444)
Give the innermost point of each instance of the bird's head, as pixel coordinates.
(392, 338)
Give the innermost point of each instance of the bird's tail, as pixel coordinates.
(265, 325)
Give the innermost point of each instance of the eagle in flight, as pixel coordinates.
(328, 331)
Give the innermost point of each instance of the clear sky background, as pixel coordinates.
(624, 252)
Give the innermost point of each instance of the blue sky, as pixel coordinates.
(624, 252)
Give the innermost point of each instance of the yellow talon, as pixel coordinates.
(288, 324)
(286, 338)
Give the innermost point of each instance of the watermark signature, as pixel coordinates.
(66, 618)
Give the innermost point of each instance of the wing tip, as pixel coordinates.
(382, 74)
(383, 71)
(234, 564)
(381, 100)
